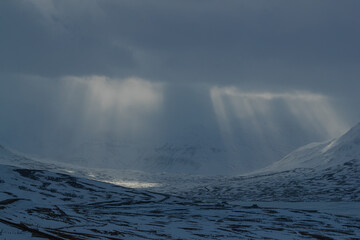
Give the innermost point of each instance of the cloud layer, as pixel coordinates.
(80, 69)
(262, 44)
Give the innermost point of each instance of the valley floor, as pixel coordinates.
(38, 204)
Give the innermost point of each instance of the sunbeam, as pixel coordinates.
(272, 121)
(103, 115)
(121, 102)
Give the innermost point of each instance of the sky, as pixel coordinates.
(272, 75)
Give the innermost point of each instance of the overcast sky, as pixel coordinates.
(296, 44)
(158, 61)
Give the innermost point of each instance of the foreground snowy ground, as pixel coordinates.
(44, 204)
(289, 200)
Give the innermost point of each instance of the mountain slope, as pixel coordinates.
(327, 171)
(338, 183)
(43, 204)
(322, 155)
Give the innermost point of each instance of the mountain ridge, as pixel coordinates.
(322, 154)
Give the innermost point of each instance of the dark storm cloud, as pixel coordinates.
(260, 43)
(42, 40)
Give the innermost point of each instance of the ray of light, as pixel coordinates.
(272, 121)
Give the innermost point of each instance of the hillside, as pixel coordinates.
(324, 154)
(38, 204)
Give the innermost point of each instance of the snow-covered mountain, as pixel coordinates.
(327, 171)
(324, 154)
(44, 199)
(190, 158)
(317, 172)
(191, 148)
(339, 183)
